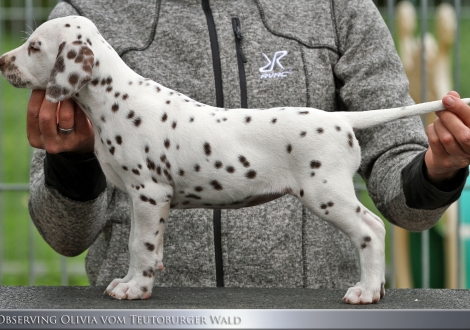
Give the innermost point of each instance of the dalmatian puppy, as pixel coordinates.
(169, 151)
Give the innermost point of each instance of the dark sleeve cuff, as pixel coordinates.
(422, 194)
(78, 177)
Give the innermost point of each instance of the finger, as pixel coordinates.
(454, 93)
(457, 129)
(48, 120)
(455, 105)
(32, 118)
(84, 132)
(435, 143)
(66, 114)
(82, 124)
(448, 140)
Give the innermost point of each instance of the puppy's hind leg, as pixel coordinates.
(366, 231)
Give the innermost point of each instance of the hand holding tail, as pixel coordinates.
(449, 140)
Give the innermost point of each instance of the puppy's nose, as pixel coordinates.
(2, 63)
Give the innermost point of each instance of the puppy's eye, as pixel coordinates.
(33, 48)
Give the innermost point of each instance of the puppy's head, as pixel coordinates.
(57, 57)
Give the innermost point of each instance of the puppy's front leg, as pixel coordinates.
(149, 217)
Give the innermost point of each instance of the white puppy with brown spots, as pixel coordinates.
(169, 151)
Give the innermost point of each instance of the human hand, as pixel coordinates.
(449, 140)
(44, 119)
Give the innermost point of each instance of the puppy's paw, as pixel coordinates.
(131, 290)
(113, 284)
(363, 295)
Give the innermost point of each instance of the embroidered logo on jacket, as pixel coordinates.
(274, 68)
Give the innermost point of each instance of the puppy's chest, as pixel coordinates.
(155, 150)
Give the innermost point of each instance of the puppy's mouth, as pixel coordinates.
(16, 81)
(11, 72)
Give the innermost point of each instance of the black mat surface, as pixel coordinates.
(225, 298)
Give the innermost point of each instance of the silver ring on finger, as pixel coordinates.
(65, 130)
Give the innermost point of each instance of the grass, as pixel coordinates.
(15, 158)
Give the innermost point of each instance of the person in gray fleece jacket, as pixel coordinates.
(327, 54)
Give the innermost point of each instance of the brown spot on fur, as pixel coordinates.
(73, 79)
(216, 185)
(150, 246)
(250, 174)
(315, 164)
(350, 139)
(289, 148)
(192, 196)
(71, 54)
(244, 161)
(207, 149)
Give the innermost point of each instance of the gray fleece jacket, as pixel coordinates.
(325, 54)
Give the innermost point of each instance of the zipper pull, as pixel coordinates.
(237, 29)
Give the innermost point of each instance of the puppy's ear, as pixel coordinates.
(72, 70)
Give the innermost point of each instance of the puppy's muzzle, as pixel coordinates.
(11, 72)
(3, 63)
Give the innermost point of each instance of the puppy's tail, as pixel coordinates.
(364, 119)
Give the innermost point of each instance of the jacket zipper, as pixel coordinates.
(241, 59)
(219, 95)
